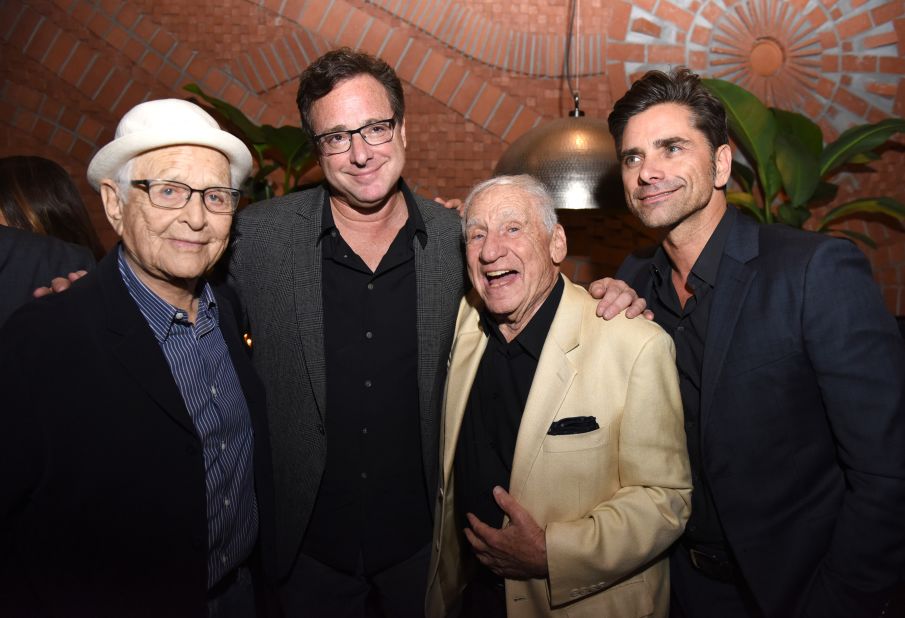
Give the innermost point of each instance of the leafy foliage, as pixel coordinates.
(793, 168)
(285, 148)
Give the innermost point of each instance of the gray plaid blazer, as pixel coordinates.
(275, 267)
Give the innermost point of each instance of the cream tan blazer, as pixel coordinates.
(612, 500)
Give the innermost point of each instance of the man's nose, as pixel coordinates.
(359, 150)
(650, 171)
(195, 213)
(492, 248)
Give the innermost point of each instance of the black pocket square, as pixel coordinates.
(573, 425)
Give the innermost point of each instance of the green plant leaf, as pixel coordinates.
(743, 175)
(864, 158)
(287, 140)
(754, 127)
(798, 168)
(805, 131)
(867, 240)
(794, 216)
(747, 201)
(250, 130)
(858, 140)
(882, 205)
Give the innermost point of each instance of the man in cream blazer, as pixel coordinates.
(598, 481)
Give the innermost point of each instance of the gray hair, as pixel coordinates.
(123, 179)
(543, 201)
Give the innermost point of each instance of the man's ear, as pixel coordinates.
(723, 161)
(558, 247)
(113, 205)
(402, 132)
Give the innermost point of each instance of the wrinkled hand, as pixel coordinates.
(518, 551)
(59, 284)
(616, 295)
(452, 204)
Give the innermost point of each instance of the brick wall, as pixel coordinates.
(478, 74)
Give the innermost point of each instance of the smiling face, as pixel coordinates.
(365, 176)
(669, 170)
(513, 261)
(170, 249)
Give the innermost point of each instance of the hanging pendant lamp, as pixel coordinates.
(575, 157)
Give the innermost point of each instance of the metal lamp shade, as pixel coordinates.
(574, 157)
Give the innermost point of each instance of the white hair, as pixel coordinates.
(543, 201)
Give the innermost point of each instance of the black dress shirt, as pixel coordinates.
(372, 506)
(494, 412)
(688, 327)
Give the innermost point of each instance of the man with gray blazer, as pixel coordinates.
(350, 290)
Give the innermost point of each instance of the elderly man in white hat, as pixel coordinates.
(132, 437)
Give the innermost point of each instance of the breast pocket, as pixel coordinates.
(576, 442)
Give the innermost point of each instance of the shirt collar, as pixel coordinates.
(161, 315)
(414, 223)
(707, 265)
(534, 335)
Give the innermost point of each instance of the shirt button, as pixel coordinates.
(364, 475)
(370, 286)
(180, 315)
(364, 430)
(214, 391)
(369, 335)
(367, 384)
(226, 502)
(680, 329)
(223, 446)
(223, 559)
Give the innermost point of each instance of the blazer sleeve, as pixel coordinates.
(625, 533)
(859, 360)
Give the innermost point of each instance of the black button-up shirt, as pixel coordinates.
(494, 412)
(373, 502)
(688, 327)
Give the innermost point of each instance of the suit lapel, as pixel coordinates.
(306, 284)
(428, 285)
(551, 382)
(131, 341)
(465, 357)
(732, 284)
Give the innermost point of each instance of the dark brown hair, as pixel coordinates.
(38, 195)
(680, 86)
(323, 75)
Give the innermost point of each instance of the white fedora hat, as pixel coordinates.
(162, 123)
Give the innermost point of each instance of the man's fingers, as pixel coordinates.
(61, 284)
(76, 275)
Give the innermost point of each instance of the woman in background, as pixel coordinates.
(38, 195)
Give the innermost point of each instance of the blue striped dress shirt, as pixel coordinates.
(210, 388)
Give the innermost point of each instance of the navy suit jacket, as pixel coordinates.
(29, 260)
(102, 503)
(803, 420)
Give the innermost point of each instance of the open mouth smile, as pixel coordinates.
(499, 277)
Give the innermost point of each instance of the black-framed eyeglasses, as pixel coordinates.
(173, 195)
(373, 133)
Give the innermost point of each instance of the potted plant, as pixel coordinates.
(285, 148)
(793, 169)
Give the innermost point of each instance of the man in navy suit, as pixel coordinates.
(791, 373)
(133, 442)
